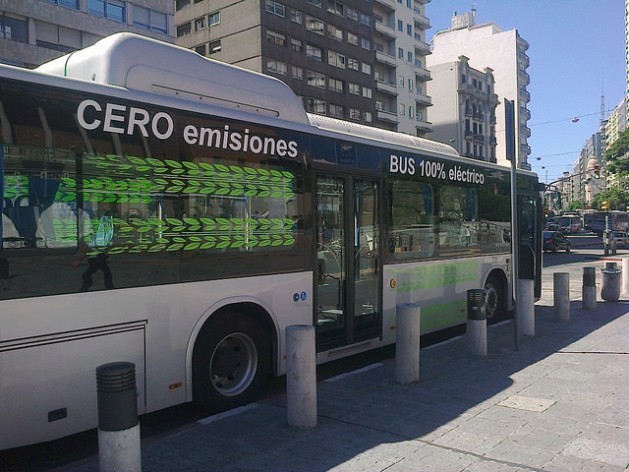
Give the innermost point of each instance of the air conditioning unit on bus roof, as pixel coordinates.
(140, 63)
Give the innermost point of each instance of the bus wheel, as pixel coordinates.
(230, 363)
(496, 303)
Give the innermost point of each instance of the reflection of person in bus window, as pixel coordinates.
(98, 261)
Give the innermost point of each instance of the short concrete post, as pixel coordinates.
(589, 288)
(407, 343)
(301, 376)
(625, 274)
(561, 295)
(526, 307)
(476, 322)
(610, 290)
(118, 427)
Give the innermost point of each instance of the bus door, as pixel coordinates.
(347, 279)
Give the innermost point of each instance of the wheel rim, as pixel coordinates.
(491, 300)
(233, 364)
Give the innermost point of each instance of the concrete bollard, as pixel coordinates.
(589, 288)
(118, 426)
(301, 376)
(407, 343)
(476, 322)
(610, 290)
(526, 306)
(625, 274)
(561, 295)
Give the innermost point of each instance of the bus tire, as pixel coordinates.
(496, 300)
(230, 362)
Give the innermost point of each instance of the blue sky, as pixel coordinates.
(576, 49)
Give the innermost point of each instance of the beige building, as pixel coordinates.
(463, 114)
(35, 31)
(487, 45)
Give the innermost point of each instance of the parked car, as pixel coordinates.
(555, 241)
(622, 239)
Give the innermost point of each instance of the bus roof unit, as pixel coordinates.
(140, 63)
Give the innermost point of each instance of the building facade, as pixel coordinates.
(463, 114)
(487, 45)
(343, 59)
(36, 31)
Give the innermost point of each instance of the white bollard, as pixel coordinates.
(119, 445)
(526, 307)
(476, 322)
(407, 343)
(301, 376)
(625, 274)
(589, 288)
(561, 295)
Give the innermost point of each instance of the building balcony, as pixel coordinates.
(526, 131)
(524, 78)
(386, 59)
(421, 21)
(525, 113)
(385, 30)
(422, 99)
(390, 4)
(525, 150)
(422, 74)
(388, 116)
(386, 87)
(422, 48)
(423, 126)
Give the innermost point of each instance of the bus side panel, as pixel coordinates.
(57, 374)
(439, 287)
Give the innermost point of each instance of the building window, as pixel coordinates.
(335, 85)
(315, 79)
(184, 30)
(335, 32)
(400, 25)
(400, 53)
(367, 92)
(200, 49)
(214, 18)
(275, 38)
(199, 24)
(110, 9)
(365, 44)
(337, 60)
(314, 105)
(366, 19)
(338, 111)
(354, 113)
(296, 17)
(296, 45)
(411, 84)
(352, 14)
(409, 30)
(149, 19)
(336, 8)
(411, 112)
(354, 89)
(72, 4)
(368, 117)
(316, 3)
(297, 73)
(409, 57)
(401, 109)
(352, 38)
(314, 24)
(366, 68)
(57, 37)
(352, 63)
(13, 29)
(313, 52)
(214, 47)
(181, 4)
(276, 67)
(275, 8)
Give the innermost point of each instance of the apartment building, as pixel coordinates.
(343, 59)
(35, 31)
(487, 45)
(463, 114)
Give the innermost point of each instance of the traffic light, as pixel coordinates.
(597, 171)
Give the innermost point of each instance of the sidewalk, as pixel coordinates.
(560, 403)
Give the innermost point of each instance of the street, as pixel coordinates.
(586, 250)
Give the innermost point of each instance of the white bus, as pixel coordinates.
(178, 213)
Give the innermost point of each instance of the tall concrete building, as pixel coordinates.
(355, 60)
(463, 114)
(35, 31)
(487, 45)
